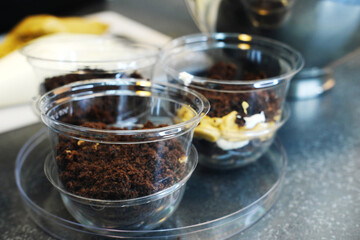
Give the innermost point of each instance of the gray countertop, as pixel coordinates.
(320, 198)
(321, 194)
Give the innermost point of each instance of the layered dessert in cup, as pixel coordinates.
(120, 167)
(245, 78)
(61, 59)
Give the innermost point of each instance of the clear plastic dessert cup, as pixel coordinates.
(60, 59)
(130, 214)
(245, 78)
(120, 153)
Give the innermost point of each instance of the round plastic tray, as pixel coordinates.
(216, 204)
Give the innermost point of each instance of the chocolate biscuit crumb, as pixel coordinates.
(84, 74)
(222, 103)
(118, 171)
(222, 71)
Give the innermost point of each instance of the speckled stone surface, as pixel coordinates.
(321, 193)
(320, 198)
(14, 221)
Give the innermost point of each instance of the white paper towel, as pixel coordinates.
(18, 83)
(122, 26)
(17, 80)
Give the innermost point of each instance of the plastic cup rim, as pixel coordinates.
(203, 109)
(199, 37)
(26, 49)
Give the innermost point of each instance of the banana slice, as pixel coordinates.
(225, 128)
(229, 122)
(35, 26)
(207, 132)
(184, 113)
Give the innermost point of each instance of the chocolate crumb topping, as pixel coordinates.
(222, 103)
(118, 171)
(84, 74)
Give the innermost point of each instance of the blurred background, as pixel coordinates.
(166, 18)
(14, 11)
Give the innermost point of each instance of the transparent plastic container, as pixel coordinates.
(216, 204)
(64, 58)
(246, 79)
(119, 153)
(144, 212)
